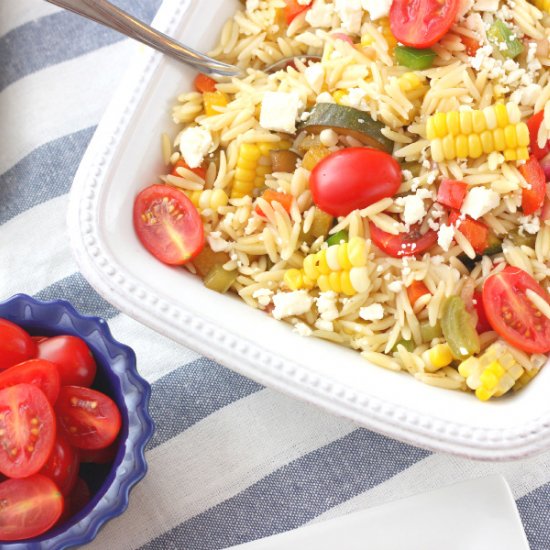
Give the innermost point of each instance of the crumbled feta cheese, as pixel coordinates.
(395, 286)
(302, 329)
(374, 312)
(350, 13)
(479, 201)
(291, 303)
(325, 97)
(445, 236)
(328, 137)
(326, 305)
(195, 143)
(320, 15)
(529, 224)
(377, 8)
(355, 98)
(315, 76)
(279, 111)
(263, 295)
(217, 244)
(414, 209)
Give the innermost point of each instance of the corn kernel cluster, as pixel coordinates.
(253, 164)
(491, 374)
(213, 100)
(341, 268)
(208, 198)
(463, 134)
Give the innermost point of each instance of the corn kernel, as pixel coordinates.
(339, 96)
(501, 114)
(490, 118)
(448, 144)
(522, 153)
(498, 139)
(487, 142)
(465, 122)
(357, 252)
(438, 357)
(510, 154)
(213, 101)
(461, 145)
(293, 279)
(437, 150)
(431, 132)
(453, 123)
(345, 282)
(474, 146)
(310, 267)
(323, 283)
(478, 122)
(322, 264)
(522, 134)
(343, 256)
(510, 136)
(334, 281)
(514, 114)
(440, 123)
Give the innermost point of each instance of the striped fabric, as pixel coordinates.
(230, 461)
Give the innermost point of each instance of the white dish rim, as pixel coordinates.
(110, 279)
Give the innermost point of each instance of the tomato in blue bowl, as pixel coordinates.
(87, 478)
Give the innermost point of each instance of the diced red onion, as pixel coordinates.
(342, 36)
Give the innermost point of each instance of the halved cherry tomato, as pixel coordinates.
(39, 339)
(533, 198)
(15, 345)
(403, 244)
(293, 9)
(73, 358)
(204, 83)
(99, 456)
(284, 199)
(354, 178)
(483, 324)
(39, 372)
(416, 290)
(451, 193)
(29, 507)
(476, 232)
(62, 465)
(89, 419)
(27, 428)
(199, 170)
(534, 124)
(421, 23)
(472, 45)
(168, 225)
(512, 314)
(79, 497)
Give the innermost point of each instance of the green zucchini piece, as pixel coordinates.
(495, 247)
(407, 344)
(503, 39)
(428, 332)
(459, 328)
(219, 279)
(347, 121)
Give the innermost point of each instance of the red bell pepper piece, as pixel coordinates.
(534, 124)
(451, 193)
(475, 231)
(284, 199)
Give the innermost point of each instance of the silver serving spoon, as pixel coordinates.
(102, 11)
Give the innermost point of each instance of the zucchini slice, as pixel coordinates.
(347, 121)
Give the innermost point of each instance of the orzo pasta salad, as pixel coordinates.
(387, 193)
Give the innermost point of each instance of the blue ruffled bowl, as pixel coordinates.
(117, 377)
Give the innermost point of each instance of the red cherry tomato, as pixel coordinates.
(204, 83)
(73, 358)
(532, 199)
(88, 418)
(534, 124)
(15, 345)
(168, 225)
(38, 372)
(27, 424)
(62, 465)
(354, 178)
(39, 339)
(99, 456)
(29, 507)
(512, 314)
(404, 244)
(421, 23)
(79, 497)
(483, 324)
(293, 9)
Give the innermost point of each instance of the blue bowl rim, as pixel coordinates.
(129, 467)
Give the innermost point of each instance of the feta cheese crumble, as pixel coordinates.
(350, 13)
(445, 236)
(291, 303)
(315, 76)
(377, 8)
(195, 144)
(479, 201)
(320, 15)
(279, 111)
(374, 312)
(414, 208)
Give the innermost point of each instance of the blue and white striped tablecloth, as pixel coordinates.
(230, 461)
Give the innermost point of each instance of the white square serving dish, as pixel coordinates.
(125, 156)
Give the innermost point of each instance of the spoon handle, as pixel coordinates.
(105, 13)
